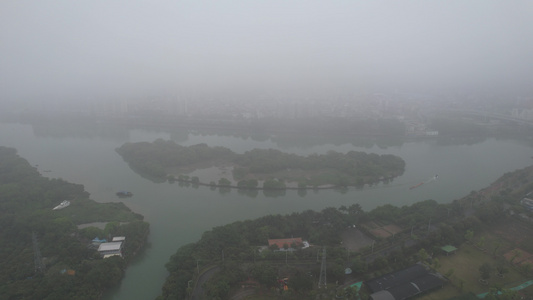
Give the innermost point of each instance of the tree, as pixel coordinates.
(449, 273)
(380, 262)
(516, 253)
(91, 232)
(501, 269)
(481, 242)
(423, 255)
(497, 246)
(265, 274)
(469, 235)
(350, 292)
(300, 282)
(252, 183)
(302, 185)
(436, 263)
(355, 209)
(526, 268)
(274, 184)
(218, 289)
(111, 227)
(241, 184)
(359, 265)
(485, 270)
(224, 182)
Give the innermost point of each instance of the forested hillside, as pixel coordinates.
(229, 257)
(70, 269)
(245, 255)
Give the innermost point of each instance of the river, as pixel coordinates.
(179, 215)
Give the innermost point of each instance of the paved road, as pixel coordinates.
(198, 292)
(243, 293)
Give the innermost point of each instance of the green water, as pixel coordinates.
(179, 215)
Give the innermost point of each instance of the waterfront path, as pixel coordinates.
(516, 288)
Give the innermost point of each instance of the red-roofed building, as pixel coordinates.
(288, 242)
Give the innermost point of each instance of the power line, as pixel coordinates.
(39, 265)
(322, 280)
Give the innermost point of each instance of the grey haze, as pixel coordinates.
(83, 50)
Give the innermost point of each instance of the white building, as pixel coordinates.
(119, 239)
(111, 248)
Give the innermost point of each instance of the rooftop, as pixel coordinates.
(111, 246)
(111, 255)
(396, 278)
(282, 242)
(403, 284)
(448, 248)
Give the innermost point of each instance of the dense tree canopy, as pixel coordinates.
(351, 169)
(26, 202)
(234, 248)
(239, 242)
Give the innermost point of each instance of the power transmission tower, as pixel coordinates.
(39, 265)
(322, 280)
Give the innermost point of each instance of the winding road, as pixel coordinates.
(198, 292)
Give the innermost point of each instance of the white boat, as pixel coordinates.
(63, 204)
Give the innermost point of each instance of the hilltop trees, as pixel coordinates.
(154, 160)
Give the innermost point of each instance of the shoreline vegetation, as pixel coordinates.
(236, 258)
(257, 169)
(67, 263)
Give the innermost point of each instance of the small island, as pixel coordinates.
(124, 194)
(258, 168)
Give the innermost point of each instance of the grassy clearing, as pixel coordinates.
(83, 211)
(494, 244)
(447, 292)
(465, 263)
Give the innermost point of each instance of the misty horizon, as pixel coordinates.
(84, 50)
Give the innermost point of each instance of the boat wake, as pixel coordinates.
(432, 178)
(424, 182)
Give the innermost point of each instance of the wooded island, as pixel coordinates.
(163, 160)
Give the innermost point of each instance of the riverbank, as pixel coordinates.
(266, 265)
(61, 249)
(179, 215)
(213, 174)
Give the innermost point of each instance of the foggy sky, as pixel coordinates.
(74, 48)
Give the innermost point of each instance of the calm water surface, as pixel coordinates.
(179, 215)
